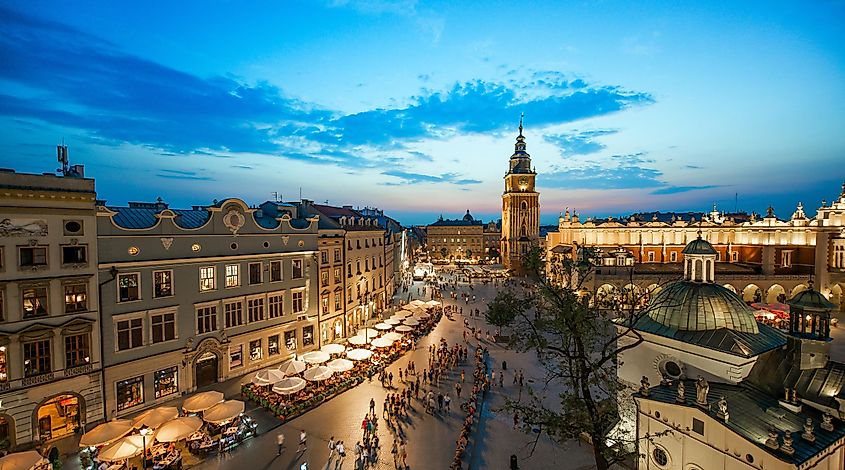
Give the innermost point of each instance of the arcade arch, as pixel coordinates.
(752, 293)
(776, 293)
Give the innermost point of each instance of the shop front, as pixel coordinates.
(59, 416)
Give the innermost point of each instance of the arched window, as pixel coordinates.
(697, 270)
(524, 205)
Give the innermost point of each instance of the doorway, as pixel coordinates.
(206, 370)
(58, 417)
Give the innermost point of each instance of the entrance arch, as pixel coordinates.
(207, 362)
(7, 432)
(776, 293)
(752, 293)
(605, 295)
(58, 416)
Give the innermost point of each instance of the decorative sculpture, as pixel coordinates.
(772, 441)
(701, 390)
(644, 386)
(794, 396)
(787, 443)
(723, 408)
(808, 435)
(681, 392)
(827, 422)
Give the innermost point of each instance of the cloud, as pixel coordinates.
(598, 177)
(182, 175)
(632, 159)
(116, 98)
(693, 167)
(682, 189)
(419, 178)
(579, 143)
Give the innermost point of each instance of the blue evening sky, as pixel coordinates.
(413, 106)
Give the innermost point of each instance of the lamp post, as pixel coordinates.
(145, 431)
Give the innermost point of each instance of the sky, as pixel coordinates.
(413, 106)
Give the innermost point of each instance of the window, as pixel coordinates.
(234, 313)
(349, 270)
(130, 392)
(207, 319)
(337, 275)
(128, 287)
(308, 335)
(162, 283)
(673, 256)
(273, 345)
(296, 269)
(734, 256)
(255, 352)
(324, 303)
(76, 298)
(33, 256)
(166, 382)
(660, 457)
(650, 256)
(275, 271)
(34, 301)
(233, 275)
(297, 302)
(337, 255)
(206, 278)
(254, 273)
(324, 256)
(786, 259)
(366, 265)
(349, 295)
(255, 309)
(130, 334)
(698, 426)
(4, 367)
(36, 358)
(164, 327)
(77, 351)
(275, 306)
(290, 340)
(324, 278)
(236, 356)
(73, 227)
(76, 254)
(336, 302)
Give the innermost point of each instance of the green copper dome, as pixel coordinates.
(696, 306)
(699, 246)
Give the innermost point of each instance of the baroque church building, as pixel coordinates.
(520, 207)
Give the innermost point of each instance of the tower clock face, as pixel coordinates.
(523, 181)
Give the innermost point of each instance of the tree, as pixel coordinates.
(577, 344)
(444, 252)
(469, 254)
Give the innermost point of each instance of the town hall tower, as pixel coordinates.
(520, 207)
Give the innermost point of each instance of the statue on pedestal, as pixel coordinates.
(722, 412)
(772, 441)
(681, 392)
(808, 435)
(644, 386)
(701, 390)
(827, 422)
(787, 443)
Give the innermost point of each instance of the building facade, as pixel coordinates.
(50, 363)
(763, 259)
(520, 207)
(193, 297)
(456, 239)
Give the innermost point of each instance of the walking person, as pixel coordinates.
(331, 447)
(341, 451)
(303, 436)
(280, 440)
(373, 407)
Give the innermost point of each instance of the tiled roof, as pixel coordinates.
(752, 413)
(697, 306)
(456, 223)
(139, 218)
(336, 212)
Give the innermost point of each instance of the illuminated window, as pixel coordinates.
(233, 275)
(162, 283)
(207, 278)
(129, 287)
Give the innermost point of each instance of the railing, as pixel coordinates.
(46, 378)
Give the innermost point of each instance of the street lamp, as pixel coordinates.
(145, 431)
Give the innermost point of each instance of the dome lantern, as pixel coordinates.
(809, 314)
(699, 261)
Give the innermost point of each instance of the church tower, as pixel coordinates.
(520, 207)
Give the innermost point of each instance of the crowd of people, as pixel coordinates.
(480, 386)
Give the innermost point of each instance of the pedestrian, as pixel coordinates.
(280, 440)
(502, 379)
(403, 454)
(394, 450)
(302, 441)
(373, 407)
(446, 402)
(390, 378)
(331, 447)
(341, 451)
(515, 419)
(458, 390)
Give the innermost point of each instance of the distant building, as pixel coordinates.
(520, 207)
(50, 364)
(456, 239)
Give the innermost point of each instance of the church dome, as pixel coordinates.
(699, 246)
(697, 306)
(468, 216)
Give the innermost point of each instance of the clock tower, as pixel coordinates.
(520, 207)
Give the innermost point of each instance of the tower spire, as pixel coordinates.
(522, 115)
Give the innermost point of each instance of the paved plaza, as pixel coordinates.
(430, 438)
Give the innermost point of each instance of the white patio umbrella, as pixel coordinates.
(202, 401)
(382, 342)
(20, 460)
(268, 377)
(178, 429)
(106, 432)
(393, 336)
(333, 348)
(289, 385)
(292, 367)
(383, 326)
(411, 322)
(417, 302)
(125, 448)
(359, 340)
(367, 332)
(340, 365)
(155, 417)
(404, 328)
(393, 321)
(315, 357)
(421, 316)
(223, 411)
(433, 303)
(316, 374)
(359, 354)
